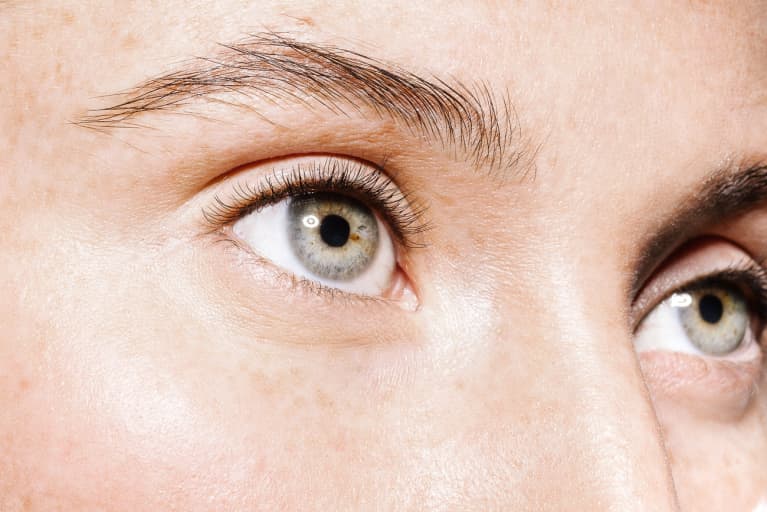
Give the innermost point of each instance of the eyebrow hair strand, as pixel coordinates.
(276, 68)
(728, 192)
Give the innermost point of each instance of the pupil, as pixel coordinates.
(711, 309)
(334, 231)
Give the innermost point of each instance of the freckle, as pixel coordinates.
(24, 384)
(299, 402)
(458, 385)
(339, 442)
(68, 18)
(303, 20)
(261, 384)
(128, 41)
(324, 400)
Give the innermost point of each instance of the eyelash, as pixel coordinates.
(748, 276)
(399, 210)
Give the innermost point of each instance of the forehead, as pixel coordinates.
(544, 52)
(621, 80)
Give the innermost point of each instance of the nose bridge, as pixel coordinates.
(614, 435)
(606, 448)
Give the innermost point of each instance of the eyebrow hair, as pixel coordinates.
(277, 68)
(726, 193)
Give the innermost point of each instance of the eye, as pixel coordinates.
(329, 238)
(338, 223)
(708, 319)
(709, 299)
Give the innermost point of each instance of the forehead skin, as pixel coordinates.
(580, 78)
(515, 387)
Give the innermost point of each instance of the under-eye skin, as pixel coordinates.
(335, 222)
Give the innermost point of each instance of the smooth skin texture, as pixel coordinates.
(144, 366)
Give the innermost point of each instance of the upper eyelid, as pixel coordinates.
(688, 262)
(736, 187)
(750, 273)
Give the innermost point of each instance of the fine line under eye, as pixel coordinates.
(361, 182)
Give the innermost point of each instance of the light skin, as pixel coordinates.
(567, 168)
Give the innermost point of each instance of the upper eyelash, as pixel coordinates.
(401, 212)
(748, 273)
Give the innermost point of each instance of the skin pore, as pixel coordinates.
(546, 175)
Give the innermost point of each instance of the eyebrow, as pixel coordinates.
(280, 70)
(726, 193)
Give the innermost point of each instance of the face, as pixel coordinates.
(463, 256)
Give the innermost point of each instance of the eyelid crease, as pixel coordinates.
(366, 183)
(728, 191)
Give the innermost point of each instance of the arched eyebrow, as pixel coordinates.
(727, 192)
(284, 71)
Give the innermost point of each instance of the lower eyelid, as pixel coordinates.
(713, 388)
(264, 271)
(243, 258)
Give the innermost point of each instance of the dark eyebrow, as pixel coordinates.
(278, 69)
(725, 194)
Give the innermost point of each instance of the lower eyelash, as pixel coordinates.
(309, 287)
(370, 186)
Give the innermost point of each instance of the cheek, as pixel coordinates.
(716, 466)
(164, 414)
(149, 431)
(97, 427)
